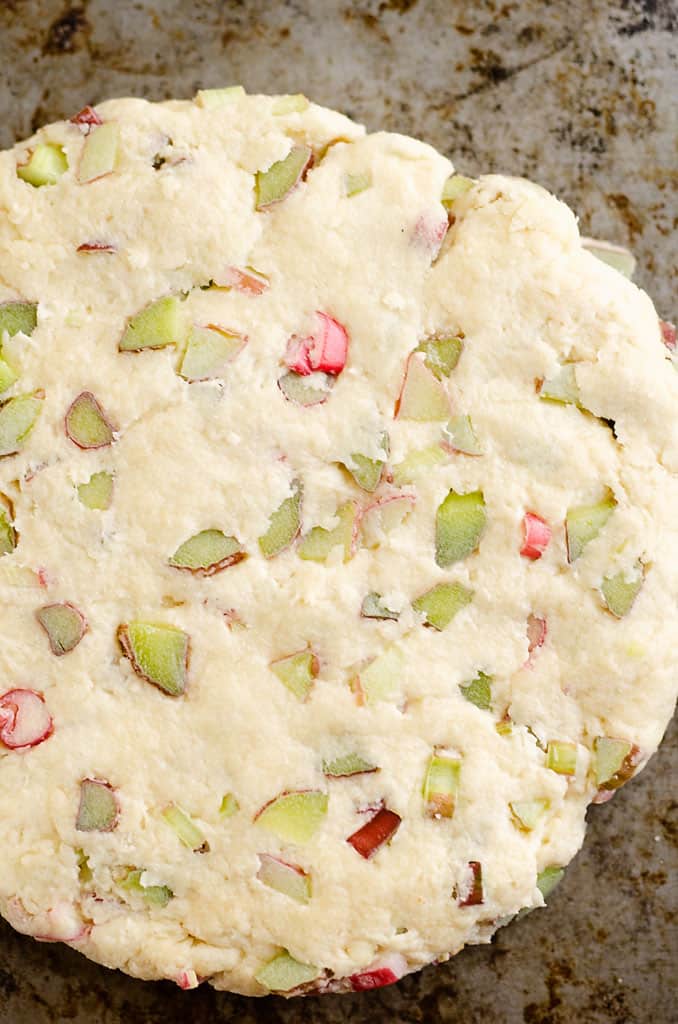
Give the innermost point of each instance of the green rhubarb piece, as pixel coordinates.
(297, 672)
(97, 492)
(479, 691)
(613, 763)
(374, 608)
(157, 325)
(441, 355)
(64, 625)
(279, 179)
(45, 166)
(207, 553)
(528, 813)
(85, 873)
(229, 806)
(313, 389)
(615, 256)
(460, 521)
(548, 879)
(98, 810)
(284, 524)
(185, 829)
(8, 375)
(208, 350)
(562, 387)
(460, 435)
(455, 186)
(380, 678)
(561, 757)
(159, 654)
(346, 765)
(441, 603)
(18, 416)
(99, 152)
(154, 895)
(418, 462)
(423, 397)
(87, 424)
(287, 879)
(294, 104)
(367, 472)
(318, 543)
(8, 535)
(584, 522)
(283, 973)
(357, 183)
(18, 317)
(441, 784)
(621, 589)
(209, 98)
(383, 516)
(294, 817)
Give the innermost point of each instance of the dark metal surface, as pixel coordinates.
(575, 94)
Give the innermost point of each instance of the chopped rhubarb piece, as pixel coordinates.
(18, 416)
(562, 387)
(208, 351)
(528, 813)
(374, 608)
(229, 806)
(441, 353)
(668, 334)
(584, 522)
(614, 761)
(8, 535)
(380, 678)
(417, 463)
(45, 165)
(313, 389)
(155, 326)
(103, 247)
(99, 152)
(460, 522)
(318, 543)
(384, 971)
(536, 536)
(441, 603)
(207, 553)
(536, 632)
(284, 524)
(548, 879)
(328, 347)
(615, 256)
(288, 879)
(24, 719)
(64, 625)
(621, 590)
(441, 784)
(365, 471)
(159, 654)
(210, 98)
(358, 182)
(18, 317)
(294, 817)
(380, 829)
(384, 515)
(244, 279)
(459, 436)
(185, 828)
(85, 873)
(429, 232)
(8, 375)
(297, 357)
(479, 691)
(276, 183)
(422, 397)
(97, 492)
(154, 895)
(294, 104)
(475, 893)
(283, 973)
(561, 757)
(98, 810)
(86, 116)
(187, 980)
(346, 765)
(297, 672)
(87, 424)
(455, 186)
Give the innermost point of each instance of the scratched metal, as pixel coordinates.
(575, 93)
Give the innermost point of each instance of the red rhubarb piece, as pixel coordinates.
(377, 831)
(537, 534)
(24, 719)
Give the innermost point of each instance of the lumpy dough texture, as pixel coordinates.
(315, 648)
